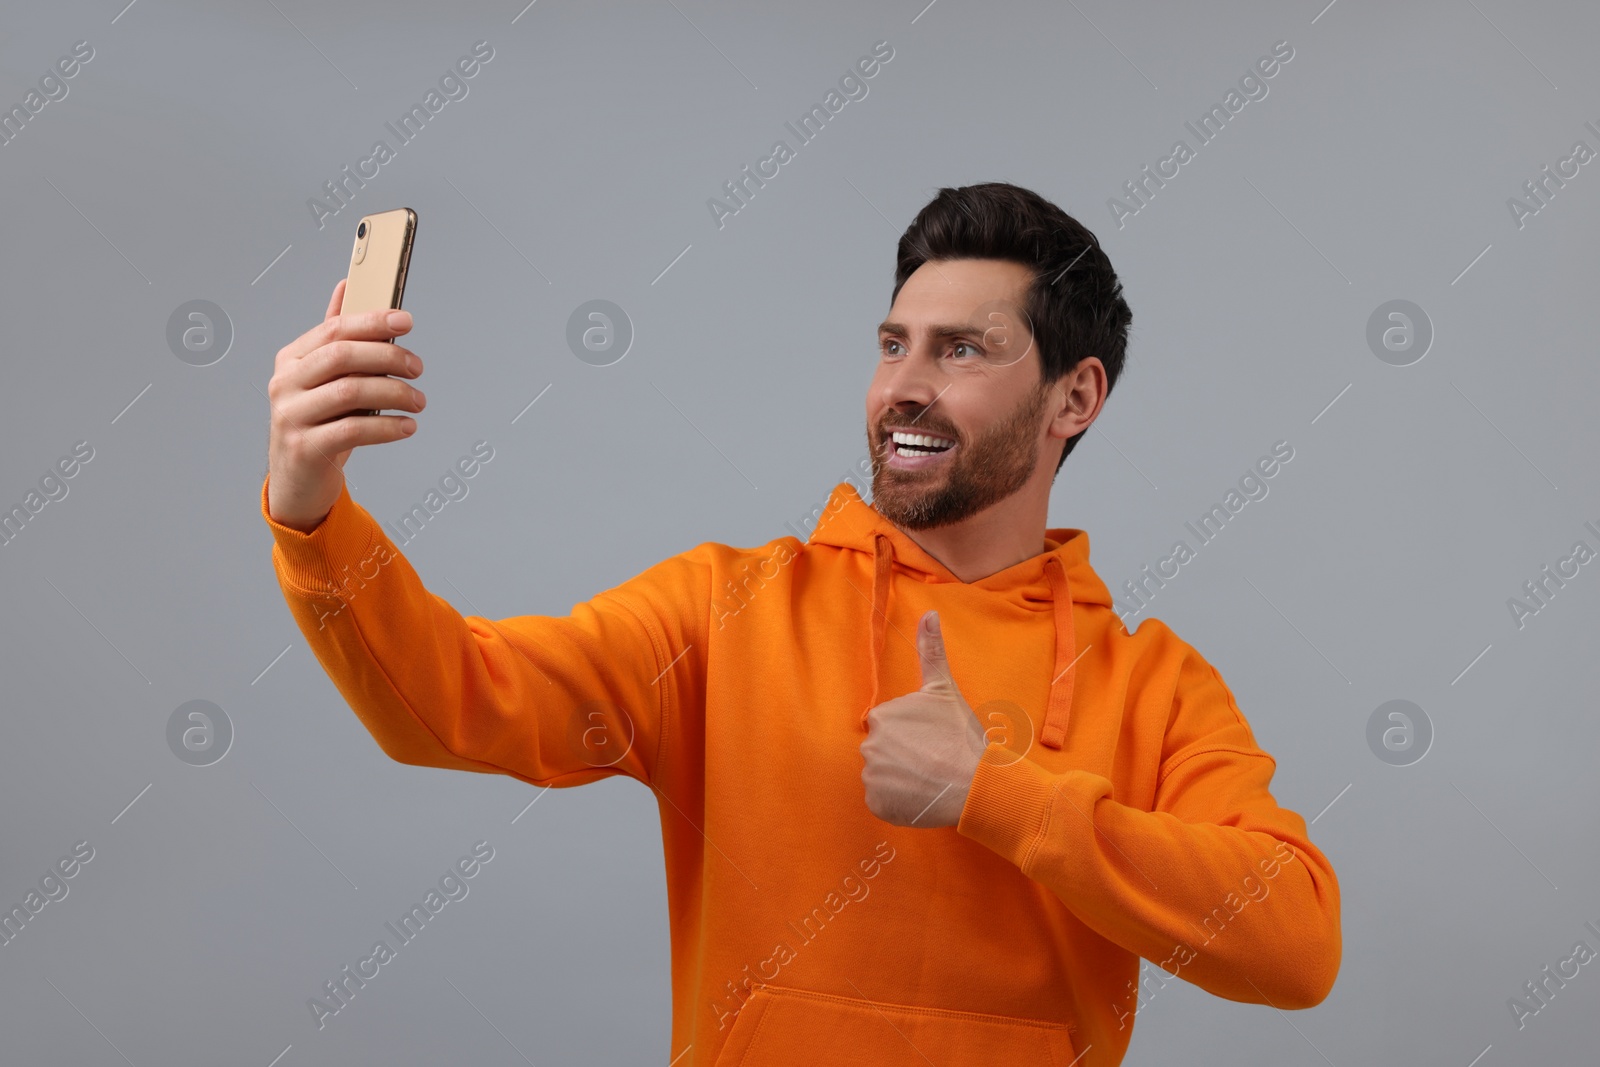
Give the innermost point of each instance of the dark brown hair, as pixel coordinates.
(1074, 303)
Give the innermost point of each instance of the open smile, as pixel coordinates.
(911, 451)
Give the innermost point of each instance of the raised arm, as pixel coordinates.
(553, 700)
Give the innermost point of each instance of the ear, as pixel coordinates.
(1078, 395)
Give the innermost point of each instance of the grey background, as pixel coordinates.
(1419, 499)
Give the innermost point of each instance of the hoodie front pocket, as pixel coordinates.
(784, 1027)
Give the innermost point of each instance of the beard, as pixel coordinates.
(984, 470)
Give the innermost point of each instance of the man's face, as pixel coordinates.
(957, 362)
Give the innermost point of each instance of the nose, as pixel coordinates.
(910, 385)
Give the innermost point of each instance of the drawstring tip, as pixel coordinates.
(1052, 735)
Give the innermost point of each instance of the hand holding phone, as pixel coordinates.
(379, 262)
(312, 432)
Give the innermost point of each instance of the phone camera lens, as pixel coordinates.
(361, 230)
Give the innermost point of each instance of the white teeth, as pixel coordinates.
(916, 445)
(919, 440)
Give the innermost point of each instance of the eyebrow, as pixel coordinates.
(939, 331)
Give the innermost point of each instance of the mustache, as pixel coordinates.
(918, 427)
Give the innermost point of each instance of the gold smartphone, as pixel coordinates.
(379, 263)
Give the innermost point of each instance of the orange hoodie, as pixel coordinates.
(1122, 811)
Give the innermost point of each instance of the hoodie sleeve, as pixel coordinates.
(1217, 884)
(551, 700)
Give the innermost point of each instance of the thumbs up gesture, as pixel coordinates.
(922, 749)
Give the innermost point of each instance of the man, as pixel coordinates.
(923, 797)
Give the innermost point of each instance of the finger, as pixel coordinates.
(354, 431)
(338, 358)
(930, 649)
(336, 301)
(376, 325)
(355, 394)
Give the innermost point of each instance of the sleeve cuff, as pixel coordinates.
(311, 561)
(1007, 803)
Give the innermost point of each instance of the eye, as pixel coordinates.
(963, 344)
(886, 345)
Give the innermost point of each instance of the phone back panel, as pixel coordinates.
(377, 277)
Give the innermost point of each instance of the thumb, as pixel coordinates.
(930, 649)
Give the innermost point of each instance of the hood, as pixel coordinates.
(851, 523)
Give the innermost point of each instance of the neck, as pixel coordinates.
(998, 537)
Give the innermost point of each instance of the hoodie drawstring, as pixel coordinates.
(882, 563)
(1059, 708)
